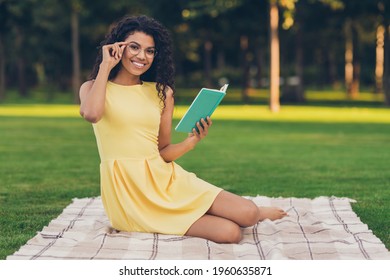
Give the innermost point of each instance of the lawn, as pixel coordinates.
(48, 156)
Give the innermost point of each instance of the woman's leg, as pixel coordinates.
(216, 229)
(242, 211)
(229, 212)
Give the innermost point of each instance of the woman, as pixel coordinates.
(130, 100)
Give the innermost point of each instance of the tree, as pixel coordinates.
(18, 18)
(3, 28)
(379, 58)
(274, 99)
(386, 75)
(52, 43)
(250, 30)
(76, 73)
(2, 68)
(358, 34)
(74, 23)
(302, 20)
(384, 10)
(237, 31)
(211, 26)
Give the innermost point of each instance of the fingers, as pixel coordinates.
(114, 51)
(203, 127)
(209, 121)
(122, 47)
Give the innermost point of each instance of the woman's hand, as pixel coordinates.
(171, 152)
(93, 93)
(112, 53)
(203, 129)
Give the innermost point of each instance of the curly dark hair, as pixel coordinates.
(162, 70)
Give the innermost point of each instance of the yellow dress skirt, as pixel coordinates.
(140, 191)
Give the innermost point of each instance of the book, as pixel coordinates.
(203, 106)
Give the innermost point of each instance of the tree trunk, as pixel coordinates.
(22, 86)
(356, 64)
(386, 73)
(208, 46)
(245, 68)
(274, 102)
(2, 69)
(293, 90)
(259, 64)
(76, 79)
(352, 60)
(20, 64)
(348, 57)
(332, 69)
(300, 90)
(380, 36)
(221, 64)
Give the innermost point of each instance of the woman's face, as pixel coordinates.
(139, 54)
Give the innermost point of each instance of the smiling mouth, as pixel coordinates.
(138, 65)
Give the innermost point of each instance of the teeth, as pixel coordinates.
(139, 65)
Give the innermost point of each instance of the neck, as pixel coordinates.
(127, 80)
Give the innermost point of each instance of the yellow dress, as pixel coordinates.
(140, 191)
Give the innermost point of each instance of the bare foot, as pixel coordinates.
(272, 213)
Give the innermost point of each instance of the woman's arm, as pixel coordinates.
(93, 93)
(92, 97)
(170, 152)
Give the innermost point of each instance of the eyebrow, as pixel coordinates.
(138, 44)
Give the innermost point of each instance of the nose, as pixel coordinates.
(141, 55)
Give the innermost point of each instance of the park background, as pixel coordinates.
(306, 114)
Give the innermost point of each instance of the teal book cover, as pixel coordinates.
(203, 106)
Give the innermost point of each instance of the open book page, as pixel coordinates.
(224, 88)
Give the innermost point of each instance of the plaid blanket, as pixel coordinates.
(320, 228)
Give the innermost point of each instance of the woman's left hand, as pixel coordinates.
(203, 129)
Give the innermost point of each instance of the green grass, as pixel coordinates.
(48, 156)
(234, 96)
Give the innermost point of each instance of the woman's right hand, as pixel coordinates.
(112, 53)
(93, 93)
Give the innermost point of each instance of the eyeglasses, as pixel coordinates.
(135, 49)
